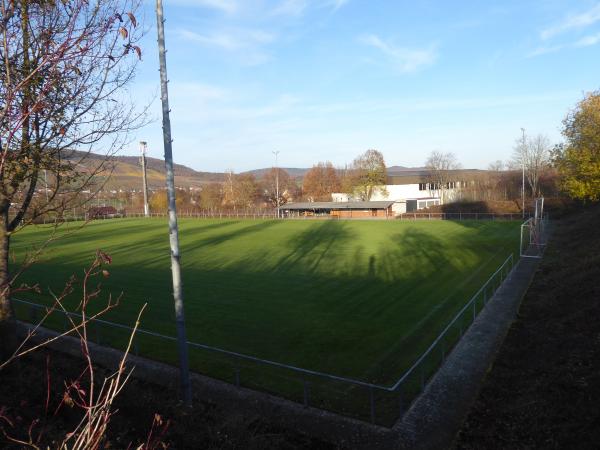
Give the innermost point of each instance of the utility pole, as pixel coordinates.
(523, 149)
(173, 230)
(143, 148)
(276, 153)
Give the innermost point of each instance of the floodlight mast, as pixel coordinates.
(143, 148)
(276, 153)
(173, 230)
(523, 149)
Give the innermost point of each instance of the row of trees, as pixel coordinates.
(367, 175)
(361, 179)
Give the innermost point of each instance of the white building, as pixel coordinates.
(409, 194)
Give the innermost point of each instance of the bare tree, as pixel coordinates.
(368, 175)
(496, 166)
(439, 167)
(270, 189)
(532, 154)
(64, 66)
(241, 191)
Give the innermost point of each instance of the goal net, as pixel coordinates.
(533, 232)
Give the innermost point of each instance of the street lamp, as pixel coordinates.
(143, 149)
(276, 153)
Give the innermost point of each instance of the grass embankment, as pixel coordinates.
(544, 388)
(358, 299)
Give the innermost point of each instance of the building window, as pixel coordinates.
(422, 186)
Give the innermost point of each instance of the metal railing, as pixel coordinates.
(460, 216)
(269, 215)
(377, 403)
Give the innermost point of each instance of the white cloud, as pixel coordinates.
(227, 6)
(404, 59)
(200, 93)
(230, 40)
(573, 22)
(337, 4)
(246, 46)
(545, 50)
(290, 8)
(297, 8)
(588, 41)
(224, 41)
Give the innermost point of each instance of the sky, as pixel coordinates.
(325, 80)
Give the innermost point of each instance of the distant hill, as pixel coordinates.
(399, 169)
(127, 171)
(293, 171)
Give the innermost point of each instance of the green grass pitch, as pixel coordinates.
(358, 299)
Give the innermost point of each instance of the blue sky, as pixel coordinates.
(328, 79)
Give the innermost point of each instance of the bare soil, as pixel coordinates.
(543, 390)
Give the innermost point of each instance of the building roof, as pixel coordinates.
(415, 176)
(338, 205)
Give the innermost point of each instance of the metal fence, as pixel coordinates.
(534, 237)
(377, 403)
(270, 215)
(460, 216)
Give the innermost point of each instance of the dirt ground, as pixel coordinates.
(23, 391)
(543, 390)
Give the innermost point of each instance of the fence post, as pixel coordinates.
(400, 401)
(33, 314)
(372, 401)
(306, 394)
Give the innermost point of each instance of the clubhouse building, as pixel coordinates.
(406, 191)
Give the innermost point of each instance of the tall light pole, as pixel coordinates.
(523, 149)
(143, 148)
(276, 153)
(184, 368)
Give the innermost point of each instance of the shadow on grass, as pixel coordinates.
(366, 319)
(311, 247)
(224, 237)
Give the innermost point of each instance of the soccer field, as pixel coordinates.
(358, 299)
